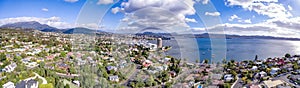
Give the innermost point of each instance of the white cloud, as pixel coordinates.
(72, 1)
(245, 21)
(274, 27)
(51, 21)
(156, 13)
(212, 13)
(105, 2)
(203, 1)
(290, 8)
(90, 26)
(248, 21)
(115, 10)
(270, 8)
(233, 17)
(45, 9)
(190, 20)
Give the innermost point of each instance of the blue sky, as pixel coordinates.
(33, 8)
(234, 16)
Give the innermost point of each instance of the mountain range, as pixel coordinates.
(46, 28)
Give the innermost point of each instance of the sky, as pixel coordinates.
(242, 17)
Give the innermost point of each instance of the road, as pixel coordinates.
(125, 82)
(67, 75)
(285, 79)
(237, 83)
(184, 73)
(40, 77)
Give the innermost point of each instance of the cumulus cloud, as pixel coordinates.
(262, 7)
(158, 13)
(290, 8)
(248, 21)
(190, 20)
(274, 27)
(72, 1)
(203, 1)
(51, 21)
(212, 13)
(45, 9)
(245, 21)
(233, 17)
(115, 10)
(105, 2)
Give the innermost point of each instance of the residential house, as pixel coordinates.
(172, 73)
(274, 71)
(109, 68)
(114, 78)
(76, 82)
(27, 84)
(10, 68)
(273, 83)
(8, 85)
(32, 65)
(147, 63)
(228, 77)
(216, 76)
(254, 68)
(39, 59)
(63, 66)
(50, 57)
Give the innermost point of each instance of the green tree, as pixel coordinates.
(256, 57)
(140, 84)
(227, 85)
(67, 86)
(197, 61)
(168, 85)
(287, 55)
(206, 61)
(149, 81)
(63, 54)
(49, 85)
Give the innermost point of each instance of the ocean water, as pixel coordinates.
(231, 49)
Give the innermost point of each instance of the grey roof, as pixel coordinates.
(110, 67)
(26, 84)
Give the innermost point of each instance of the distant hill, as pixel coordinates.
(206, 35)
(31, 25)
(46, 28)
(79, 30)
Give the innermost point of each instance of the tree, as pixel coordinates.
(227, 85)
(287, 55)
(149, 81)
(2, 57)
(67, 86)
(224, 61)
(63, 54)
(168, 85)
(197, 61)
(206, 61)
(256, 57)
(165, 76)
(295, 66)
(132, 84)
(49, 85)
(140, 84)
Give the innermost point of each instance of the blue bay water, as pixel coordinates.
(238, 49)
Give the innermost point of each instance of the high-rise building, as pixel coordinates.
(159, 43)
